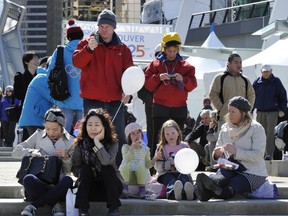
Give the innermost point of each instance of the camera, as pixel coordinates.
(172, 76)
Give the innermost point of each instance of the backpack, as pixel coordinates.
(57, 80)
(281, 136)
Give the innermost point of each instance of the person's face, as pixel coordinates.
(33, 63)
(8, 93)
(171, 135)
(53, 130)
(106, 32)
(135, 135)
(235, 65)
(171, 52)
(235, 115)
(206, 119)
(266, 74)
(94, 126)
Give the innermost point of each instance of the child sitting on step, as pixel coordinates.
(136, 160)
(178, 186)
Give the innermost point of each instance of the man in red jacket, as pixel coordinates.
(103, 58)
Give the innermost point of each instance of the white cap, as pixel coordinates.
(158, 48)
(266, 67)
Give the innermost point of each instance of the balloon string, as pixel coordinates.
(116, 112)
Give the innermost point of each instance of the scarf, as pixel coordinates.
(235, 131)
(89, 156)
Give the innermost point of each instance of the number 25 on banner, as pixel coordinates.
(137, 50)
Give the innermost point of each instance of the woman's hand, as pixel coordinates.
(100, 135)
(218, 152)
(61, 153)
(230, 148)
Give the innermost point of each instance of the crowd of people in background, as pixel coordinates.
(109, 153)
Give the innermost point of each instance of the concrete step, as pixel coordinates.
(168, 207)
(6, 154)
(13, 190)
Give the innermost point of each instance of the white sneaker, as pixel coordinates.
(29, 210)
(58, 210)
(178, 187)
(189, 190)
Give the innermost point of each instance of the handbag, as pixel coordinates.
(13, 113)
(70, 202)
(46, 168)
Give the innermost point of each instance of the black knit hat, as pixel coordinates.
(240, 103)
(107, 17)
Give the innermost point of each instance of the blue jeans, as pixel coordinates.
(238, 182)
(119, 122)
(41, 193)
(169, 179)
(69, 117)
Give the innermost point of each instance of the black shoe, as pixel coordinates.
(113, 212)
(267, 157)
(83, 212)
(201, 192)
(210, 185)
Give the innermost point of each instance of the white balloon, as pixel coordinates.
(132, 80)
(186, 161)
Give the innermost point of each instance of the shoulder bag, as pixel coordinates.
(46, 168)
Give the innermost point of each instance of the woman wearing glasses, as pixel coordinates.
(53, 140)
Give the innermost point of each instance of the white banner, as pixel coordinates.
(140, 38)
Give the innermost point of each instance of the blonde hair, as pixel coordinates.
(167, 124)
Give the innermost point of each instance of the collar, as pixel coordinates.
(114, 42)
(162, 56)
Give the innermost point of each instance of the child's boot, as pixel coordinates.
(142, 192)
(125, 192)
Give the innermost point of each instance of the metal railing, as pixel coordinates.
(230, 14)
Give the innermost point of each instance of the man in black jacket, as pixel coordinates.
(200, 132)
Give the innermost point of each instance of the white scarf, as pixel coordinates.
(236, 131)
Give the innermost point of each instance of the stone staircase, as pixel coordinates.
(6, 154)
(11, 200)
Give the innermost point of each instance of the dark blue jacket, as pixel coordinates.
(270, 94)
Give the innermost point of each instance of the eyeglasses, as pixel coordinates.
(8, 91)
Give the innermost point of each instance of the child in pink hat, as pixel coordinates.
(136, 159)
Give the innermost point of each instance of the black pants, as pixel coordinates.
(160, 115)
(106, 187)
(8, 129)
(149, 123)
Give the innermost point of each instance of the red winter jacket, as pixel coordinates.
(102, 69)
(165, 93)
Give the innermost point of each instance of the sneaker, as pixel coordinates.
(58, 210)
(267, 157)
(83, 212)
(29, 210)
(189, 190)
(113, 212)
(178, 187)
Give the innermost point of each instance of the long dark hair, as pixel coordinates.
(110, 135)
